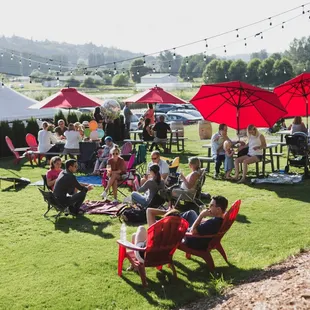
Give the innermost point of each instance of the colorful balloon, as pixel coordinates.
(94, 135)
(93, 125)
(87, 132)
(100, 133)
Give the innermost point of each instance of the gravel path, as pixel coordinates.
(283, 286)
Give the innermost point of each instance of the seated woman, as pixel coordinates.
(150, 188)
(79, 127)
(53, 172)
(73, 138)
(46, 141)
(256, 144)
(147, 133)
(189, 182)
(297, 125)
(115, 168)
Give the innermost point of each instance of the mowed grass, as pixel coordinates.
(72, 263)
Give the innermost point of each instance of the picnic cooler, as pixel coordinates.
(177, 125)
(205, 130)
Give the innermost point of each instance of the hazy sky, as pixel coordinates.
(150, 26)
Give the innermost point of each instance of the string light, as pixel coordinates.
(283, 25)
(20, 61)
(261, 35)
(144, 63)
(30, 64)
(284, 71)
(246, 75)
(30, 81)
(237, 33)
(186, 63)
(2, 55)
(225, 76)
(206, 42)
(12, 56)
(39, 67)
(71, 73)
(174, 55)
(270, 23)
(169, 66)
(245, 44)
(303, 9)
(2, 83)
(204, 57)
(225, 51)
(266, 73)
(138, 72)
(154, 69)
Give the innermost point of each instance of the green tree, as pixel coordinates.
(252, 71)
(282, 71)
(85, 117)
(18, 133)
(223, 70)
(32, 127)
(211, 72)
(5, 130)
(72, 117)
(72, 82)
(89, 83)
(262, 54)
(265, 72)
(276, 56)
(120, 80)
(166, 59)
(59, 115)
(137, 69)
(237, 70)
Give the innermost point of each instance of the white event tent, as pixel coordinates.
(14, 106)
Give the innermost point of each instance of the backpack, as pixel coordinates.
(131, 214)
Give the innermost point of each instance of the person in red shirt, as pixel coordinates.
(53, 173)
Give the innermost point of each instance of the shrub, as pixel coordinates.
(85, 117)
(73, 82)
(120, 80)
(32, 127)
(59, 115)
(5, 130)
(72, 118)
(89, 83)
(18, 133)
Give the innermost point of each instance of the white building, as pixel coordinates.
(163, 80)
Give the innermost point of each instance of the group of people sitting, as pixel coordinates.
(249, 153)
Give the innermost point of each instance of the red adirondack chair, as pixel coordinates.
(33, 145)
(163, 238)
(215, 243)
(18, 157)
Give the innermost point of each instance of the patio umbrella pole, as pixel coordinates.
(307, 111)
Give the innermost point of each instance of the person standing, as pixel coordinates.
(66, 186)
(150, 113)
(161, 129)
(73, 138)
(127, 115)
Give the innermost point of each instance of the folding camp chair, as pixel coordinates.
(126, 148)
(140, 163)
(215, 240)
(45, 185)
(163, 238)
(52, 203)
(87, 155)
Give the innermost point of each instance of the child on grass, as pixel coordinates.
(229, 163)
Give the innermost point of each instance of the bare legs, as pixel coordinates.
(245, 160)
(113, 183)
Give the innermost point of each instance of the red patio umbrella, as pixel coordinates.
(68, 98)
(154, 95)
(238, 104)
(294, 95)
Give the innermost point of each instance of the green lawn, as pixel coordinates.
(72, 264)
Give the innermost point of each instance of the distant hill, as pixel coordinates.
(68, 54)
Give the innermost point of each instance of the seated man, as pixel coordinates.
(216, 211)
(163, 167)
(102, 159)
(161, 128)
(66, 186)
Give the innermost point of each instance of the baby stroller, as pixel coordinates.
(297, 151)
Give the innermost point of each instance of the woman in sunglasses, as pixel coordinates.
(115, 168)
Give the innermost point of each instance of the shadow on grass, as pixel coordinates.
(83, 224)
(8, 164)
(242, 219)
(293, 191)
(13, 188)
(202, 283)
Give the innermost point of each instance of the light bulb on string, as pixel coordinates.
(245, 75)
(30, 81)
(225, 76)
(261, 36)
(39, 67)
(205, 57)
(96, 71)
(144, 63)
(188, 77)
(49, 70)
(110, 74)
(46, 63)
(138, 72)
(237, 33)
(2, 55)
(20, 61)
(303, 9)
(71, 73)
(284, 71)
(115, 71)
(186, 63)
(30, 64)
(169, 67)
(270, 22)
(266, 73)
(304, 69)
(245, 44)
(174, 54)
(283, 25)
(154, 70)
(12, 56)
(225, 51)
(206, 40)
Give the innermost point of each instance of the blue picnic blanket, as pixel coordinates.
(90, 179)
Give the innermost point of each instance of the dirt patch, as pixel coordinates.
(282, 286)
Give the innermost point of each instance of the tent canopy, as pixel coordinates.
(14, 106)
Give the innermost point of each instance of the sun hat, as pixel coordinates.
(85, 124)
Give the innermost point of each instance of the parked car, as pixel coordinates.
(165, 107)
(187, 119)
(187, 111)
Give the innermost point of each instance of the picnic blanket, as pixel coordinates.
(94, 180)
(278, 178)
(101, 207)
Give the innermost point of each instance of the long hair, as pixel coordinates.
(155, 169)
(297, 120)
(53, 161)
(252, 127)
(194, 161)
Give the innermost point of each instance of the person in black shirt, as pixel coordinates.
(147, 131)
(161, 128)
(216, 210)
(66, 186)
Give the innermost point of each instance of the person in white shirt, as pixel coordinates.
(46, 141)
(256, 145)
(163, 167)
(73, 139)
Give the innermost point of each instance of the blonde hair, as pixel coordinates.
(227, 145)
(115, 148)
(252, 127)
(194, 161)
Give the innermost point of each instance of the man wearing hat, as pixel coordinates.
(103, 155)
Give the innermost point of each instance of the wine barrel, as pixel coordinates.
(205, 130)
